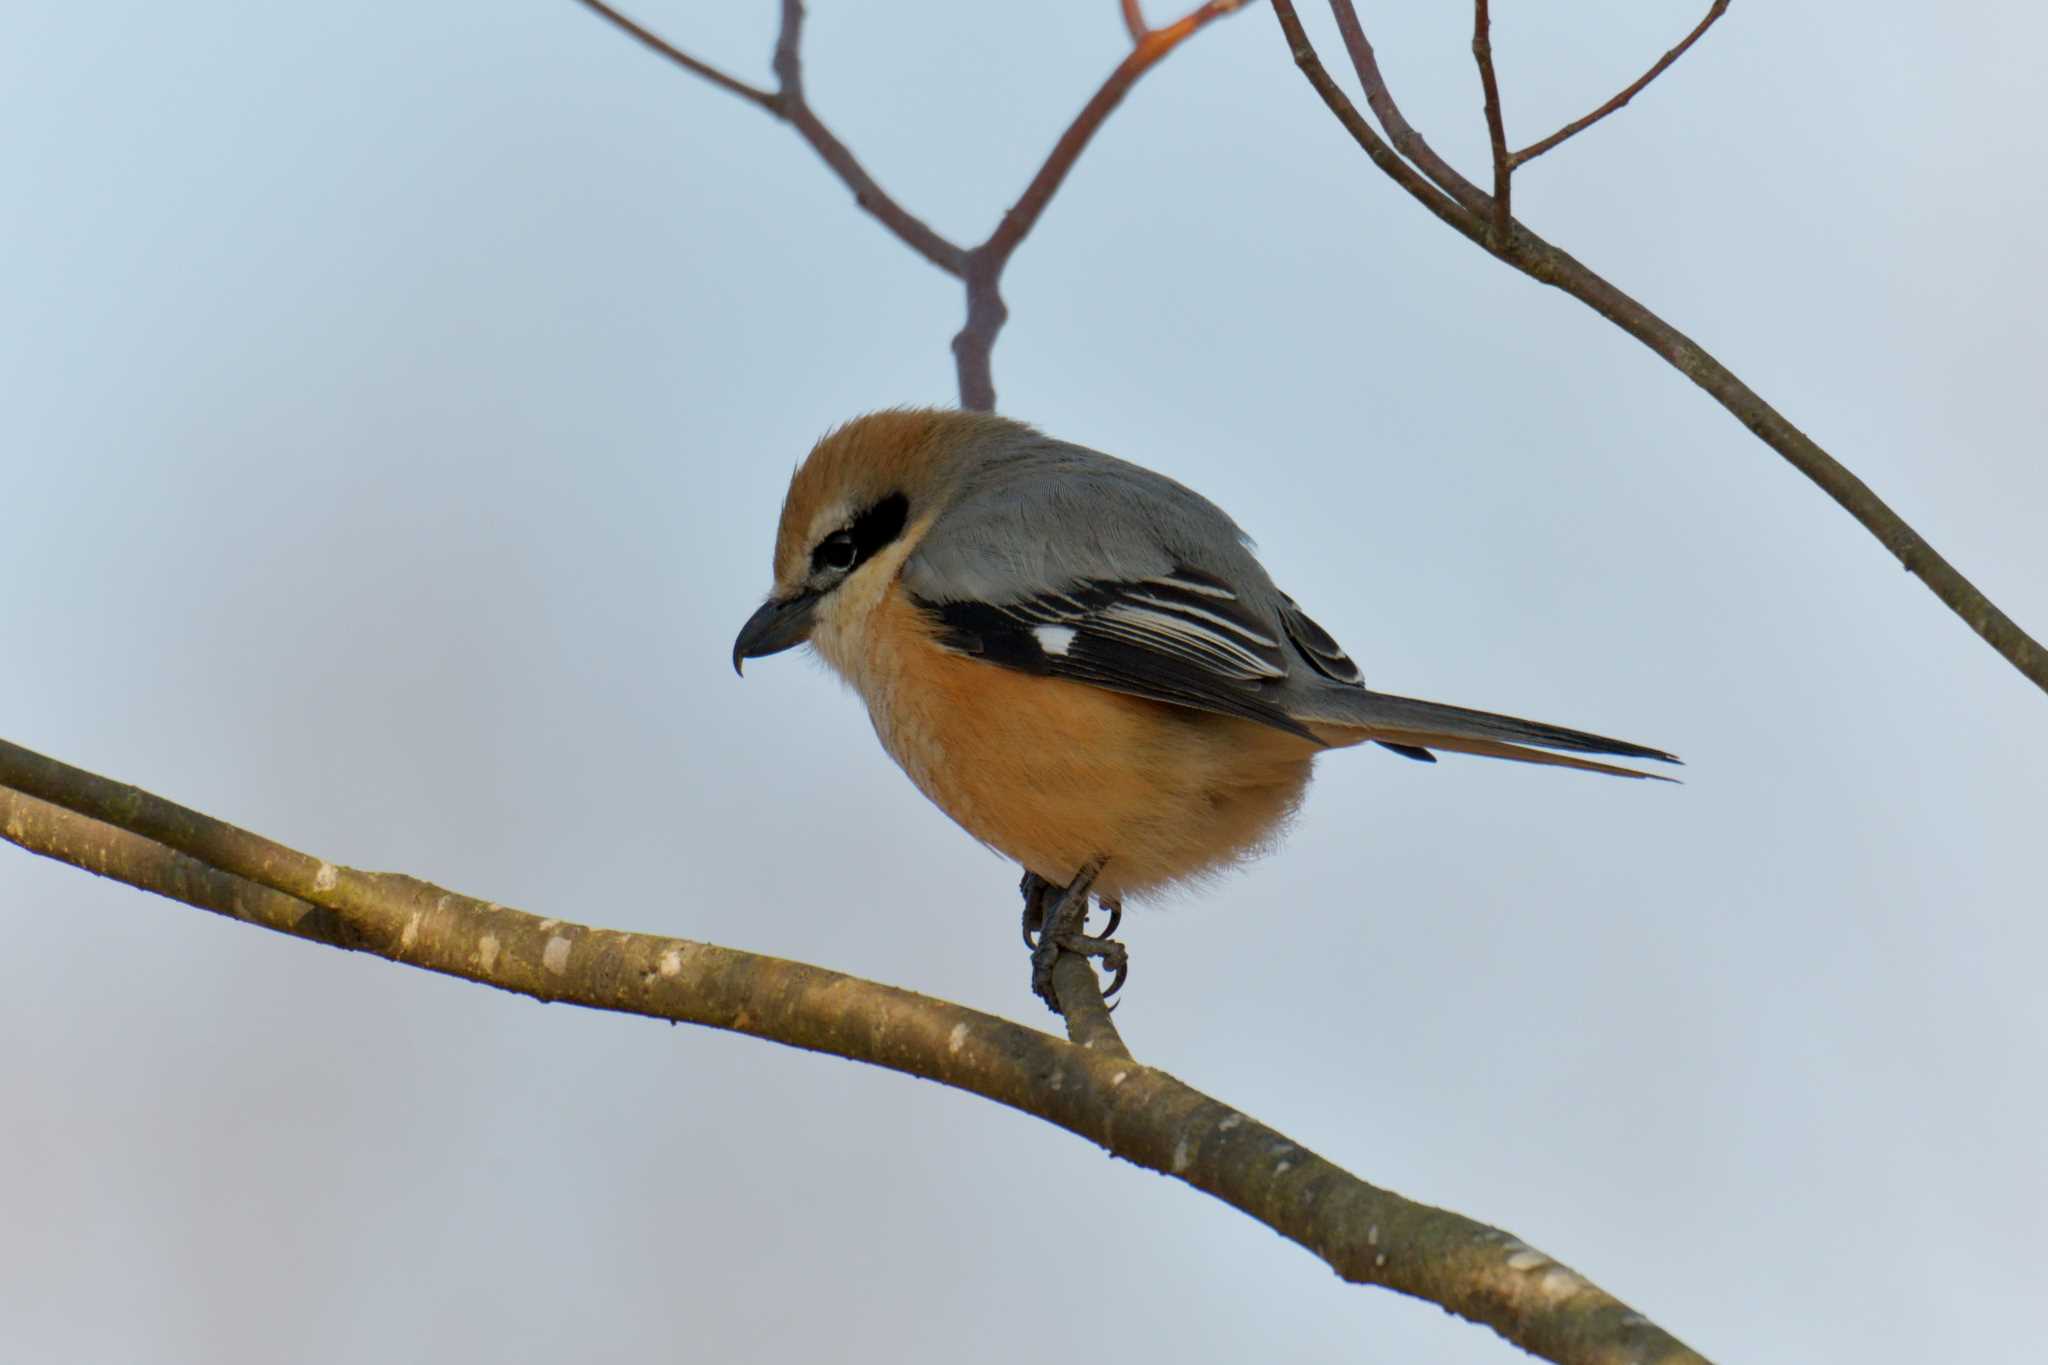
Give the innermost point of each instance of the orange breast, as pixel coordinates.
(1053, 773)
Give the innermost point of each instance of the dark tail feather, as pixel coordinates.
(1403, 723)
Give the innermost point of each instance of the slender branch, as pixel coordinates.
(986, 311)
(650, 39)
(1496, 131)
(1540, 260)
(1367, 137)
(981, 269)
(1368, 1235)
(788, 104)
(788, 61)
(1570, 130)
(1406, 140)
(1134, 20)
(1144, 55)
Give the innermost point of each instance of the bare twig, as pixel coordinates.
(788, 103)
(986, 311)
(909, 229)
(1144, 55)
(1134, 20)
(1496, 131)
(1406, 140)
(979, 269)
(1536, 149)
(1368, 1235)
(1367, 137)
(1540, 260)
(654, 41)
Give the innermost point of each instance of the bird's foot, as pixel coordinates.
(1056, 921)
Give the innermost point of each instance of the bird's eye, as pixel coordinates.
(836, 551)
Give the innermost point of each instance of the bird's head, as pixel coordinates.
(863, 489)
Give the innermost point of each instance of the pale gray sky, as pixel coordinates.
(399, 402)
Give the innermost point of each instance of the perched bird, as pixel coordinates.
(1079, 660)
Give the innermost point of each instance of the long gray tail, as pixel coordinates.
(1413, 727)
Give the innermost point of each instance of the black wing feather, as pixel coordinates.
(1183, 638)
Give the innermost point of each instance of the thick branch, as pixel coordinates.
(1540, 260)
(1368, 1235)
(1570, 130)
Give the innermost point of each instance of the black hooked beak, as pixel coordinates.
(780, 624)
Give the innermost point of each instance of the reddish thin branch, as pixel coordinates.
(979, 269)
(986, 311)
(1538, 259)
(1536, 149)
(1367, 137)
(787, 103)
(1496, 130)
(1144, 55)
(1366, 1234)
(654, 41)
(1405, 138)
(1134, 20)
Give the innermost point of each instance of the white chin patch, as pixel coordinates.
(1054, 639)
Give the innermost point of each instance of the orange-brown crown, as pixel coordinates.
(911, 451)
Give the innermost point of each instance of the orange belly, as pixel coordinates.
(1054, 773)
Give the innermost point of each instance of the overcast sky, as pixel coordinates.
(398, 402)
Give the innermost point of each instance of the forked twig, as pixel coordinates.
(1461, 205)
(979, 268)
(1134, 20)
(986, 311)
(787, 103)
(1405, 138)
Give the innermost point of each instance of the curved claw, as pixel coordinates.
(1122, 970)
(1115, 909)
(1055, 920)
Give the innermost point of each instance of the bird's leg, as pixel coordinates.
(1062, 928)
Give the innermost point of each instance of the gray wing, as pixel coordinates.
(1061, 561)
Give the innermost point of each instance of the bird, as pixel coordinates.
(1081, 661)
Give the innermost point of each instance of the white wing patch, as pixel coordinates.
(1054, 640)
